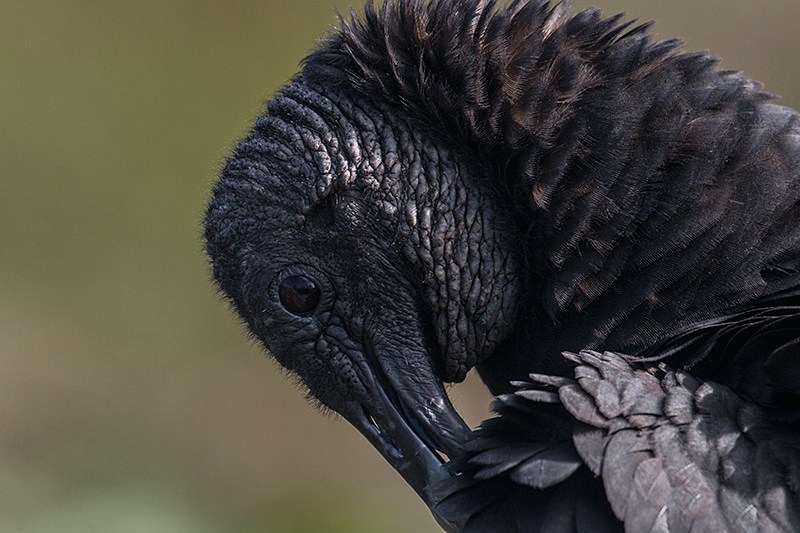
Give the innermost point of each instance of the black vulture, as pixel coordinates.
(607, 228)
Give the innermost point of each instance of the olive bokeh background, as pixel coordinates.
(130, 397)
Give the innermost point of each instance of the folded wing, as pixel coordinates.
(637, 446)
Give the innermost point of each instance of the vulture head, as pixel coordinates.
(359, 249)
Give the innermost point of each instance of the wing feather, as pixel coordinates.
(667, 451)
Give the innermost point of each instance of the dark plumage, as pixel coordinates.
(451, 185)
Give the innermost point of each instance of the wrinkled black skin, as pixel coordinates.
(481, 187)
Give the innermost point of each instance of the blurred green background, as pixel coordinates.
(130, 399)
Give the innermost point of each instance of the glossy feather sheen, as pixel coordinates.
(508, 184)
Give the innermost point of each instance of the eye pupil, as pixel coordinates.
(299, 295)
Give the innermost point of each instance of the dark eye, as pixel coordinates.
(299, 295)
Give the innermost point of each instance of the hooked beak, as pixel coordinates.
(409, 419)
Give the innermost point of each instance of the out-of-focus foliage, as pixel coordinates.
(130, 400)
